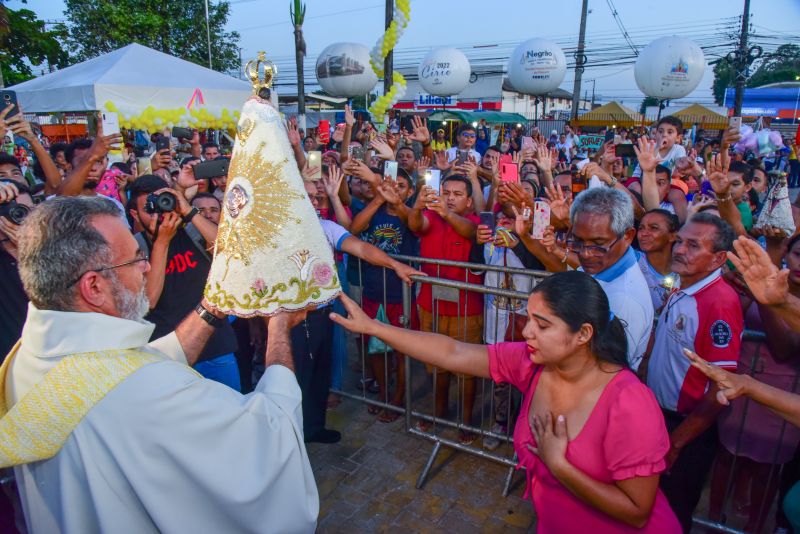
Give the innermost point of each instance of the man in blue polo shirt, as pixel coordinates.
(601, 236)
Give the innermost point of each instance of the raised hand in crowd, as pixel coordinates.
(422, 165)
(161, 159)
(332, 185)
(382, 148)
(717, 174)
(699, 203)
(648, 157)
(545, 159)
(470, 169)
(559, 207)
(292, 131)
(441, 162)
(387, 191)
(186, 178)
(296, 141)
(733, 385)
(647, 154)
(768, 284)
(75, 181)
(421, 133)
(361, 170)
(22, 128)
(513, 193)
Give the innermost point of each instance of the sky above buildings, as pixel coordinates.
(488, 31)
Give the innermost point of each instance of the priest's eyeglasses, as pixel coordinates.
(140, 257)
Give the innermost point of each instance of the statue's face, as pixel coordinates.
(236, 200)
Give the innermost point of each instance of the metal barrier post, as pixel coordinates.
(407, 314)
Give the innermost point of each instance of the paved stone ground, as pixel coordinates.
(367, 483)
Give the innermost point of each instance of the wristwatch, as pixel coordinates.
(614, 182)
(189, 216)
(209, 317)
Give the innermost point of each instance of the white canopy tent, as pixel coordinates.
(134, 78)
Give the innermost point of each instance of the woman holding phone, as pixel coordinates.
(593, 438)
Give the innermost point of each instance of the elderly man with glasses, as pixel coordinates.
(601, 236)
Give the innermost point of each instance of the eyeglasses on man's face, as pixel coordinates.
(593, 251)
(140, 257)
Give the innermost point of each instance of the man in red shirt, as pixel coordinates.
(446, 227)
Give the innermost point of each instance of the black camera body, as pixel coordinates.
(14, 212)
(161, 203)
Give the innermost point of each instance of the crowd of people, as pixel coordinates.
(618, 428)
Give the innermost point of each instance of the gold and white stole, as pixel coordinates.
(37, 426)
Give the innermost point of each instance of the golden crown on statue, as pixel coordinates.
(254, 70)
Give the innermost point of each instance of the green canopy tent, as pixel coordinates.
(491, 117)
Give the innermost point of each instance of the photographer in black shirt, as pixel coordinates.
(178, 238)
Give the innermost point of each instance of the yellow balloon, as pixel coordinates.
(110, 106)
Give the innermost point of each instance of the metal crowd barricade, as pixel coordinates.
(729, 485)
(448, 290)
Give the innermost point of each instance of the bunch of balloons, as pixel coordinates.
(760, 143)
(385, 44)
(153, 120)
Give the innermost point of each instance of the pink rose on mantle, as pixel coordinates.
(322, 274)
(259, 285)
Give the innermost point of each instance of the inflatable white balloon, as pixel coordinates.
(670, 67)
(537, 67)
(444, 72)
(343, 69)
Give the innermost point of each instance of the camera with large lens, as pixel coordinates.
(161, 203)
(14, 212)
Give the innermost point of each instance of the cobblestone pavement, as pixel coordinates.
(367, 483)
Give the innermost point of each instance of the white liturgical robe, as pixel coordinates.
(165, 450)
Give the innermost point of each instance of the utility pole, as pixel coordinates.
(593, 84)
(580, 61)
(742, 63)
(388, 64)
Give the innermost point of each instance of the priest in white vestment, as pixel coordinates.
(110, 433)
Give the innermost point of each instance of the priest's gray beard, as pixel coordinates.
(130, 305)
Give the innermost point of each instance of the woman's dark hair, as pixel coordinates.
(576, 298)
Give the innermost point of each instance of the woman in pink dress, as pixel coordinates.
(593, 440)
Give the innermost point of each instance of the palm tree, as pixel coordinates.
(297, 12)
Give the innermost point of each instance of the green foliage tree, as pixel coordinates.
(724, 77)
(26, 45)
(96, 27)
(782, 65)
(648, 101)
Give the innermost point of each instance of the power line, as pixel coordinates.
(618, 20)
